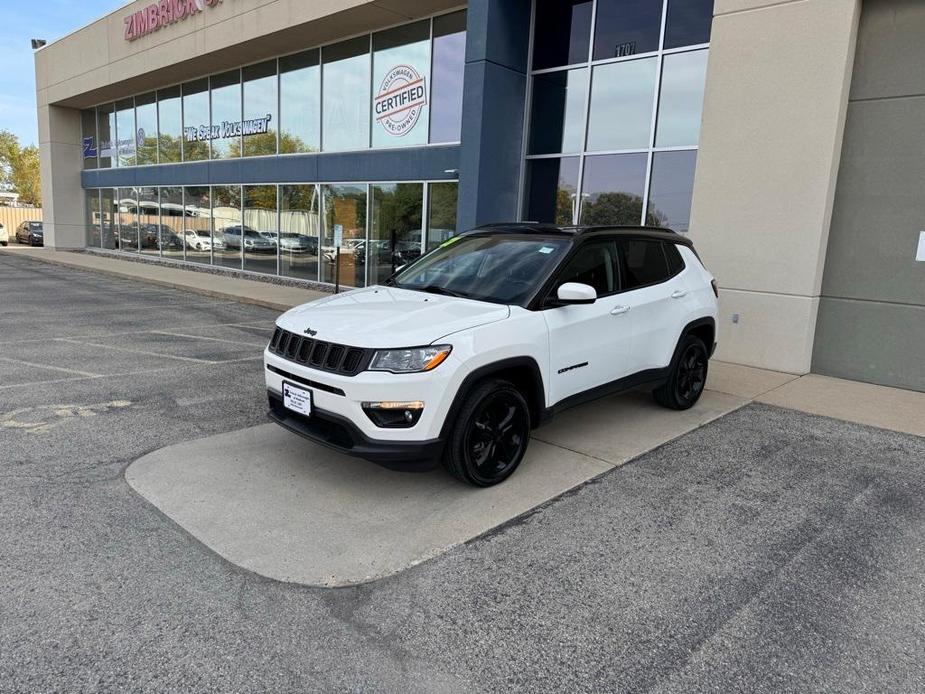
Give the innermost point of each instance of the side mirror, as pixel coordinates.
(576, 293)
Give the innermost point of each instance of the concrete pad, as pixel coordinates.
(276, 504)
(864, 403)
(620, 428)
(744, 381)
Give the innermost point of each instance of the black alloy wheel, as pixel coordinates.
(688, 376)
(491, 434)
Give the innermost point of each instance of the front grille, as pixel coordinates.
(318, 354)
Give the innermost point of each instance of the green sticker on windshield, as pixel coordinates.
(450, 242)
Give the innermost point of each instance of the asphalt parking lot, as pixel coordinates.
(767, 551)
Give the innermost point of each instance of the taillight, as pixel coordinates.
(715, 288)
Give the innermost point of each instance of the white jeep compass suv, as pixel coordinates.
(464, 351)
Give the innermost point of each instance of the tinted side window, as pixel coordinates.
(643, 263)
(675, 261)
(594, 265)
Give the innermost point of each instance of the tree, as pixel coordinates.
(19, 168)
(619, 208)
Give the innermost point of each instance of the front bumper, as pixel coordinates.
(340, 434)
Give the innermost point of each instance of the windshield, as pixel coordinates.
(504, 269)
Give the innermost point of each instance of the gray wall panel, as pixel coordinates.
(889, 43)
(879, 204)
(871, 341)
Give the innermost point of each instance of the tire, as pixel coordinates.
(494, 425)
(687, 378)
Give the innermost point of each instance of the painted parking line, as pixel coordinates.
(76, 372)
(257, 325)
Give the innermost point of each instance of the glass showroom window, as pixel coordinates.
(197, 225)
(196, 120)
(345, 97)
(395, 228)
(448, 66)
(300, 103)
(125, 132)
(127, 217)
(106, 133)
(259, 127)
(227, 231)
(108, 218)
(88, 138)
(299, 231)
(639, 114)
(344, 212)
(401, 74)
(92, 218)
(442, 200)
(149, 221)
(261, 229)
(173, 227)
(146, 128)
(170, 126)
(225, 135)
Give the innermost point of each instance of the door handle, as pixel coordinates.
(678, 293)
(619, 310)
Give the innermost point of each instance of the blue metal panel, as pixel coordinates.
(407, 164)
(494, 105)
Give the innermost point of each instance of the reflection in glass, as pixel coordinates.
(149, 221)
(442, 200)
(109, 218)
(300, 103)
(300, 227)
(688, 22)
(261, 229)
(621, 105)
(173, 218)
(226, 115)
(125, 132)
(344, 207)
(146, 128)
(226, 226)
(170, 125)
(562, 33)
(196, 120)
(260, 117)
(346, 80)
(197, 224)
(106, 132)
(681, 102)
(626, 27)
(401, 73)
(127, 204)
(93, 218)
(671, 189)
(558, 109)
(394, 230)
(612, 189)
(552, 190)
(88, 133)
(446, 89)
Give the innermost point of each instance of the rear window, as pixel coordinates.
(675, 261)
(643, 263)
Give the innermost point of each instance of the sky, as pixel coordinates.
(22, 21)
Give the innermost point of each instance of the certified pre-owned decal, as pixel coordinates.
(401, 97)
(572, 368)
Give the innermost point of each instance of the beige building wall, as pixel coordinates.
(774, 112)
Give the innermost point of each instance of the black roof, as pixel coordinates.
(660, 233)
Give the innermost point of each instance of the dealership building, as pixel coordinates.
(336, 140)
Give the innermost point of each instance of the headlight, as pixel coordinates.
(410, 360)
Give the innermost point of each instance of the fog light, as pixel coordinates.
(391, 414)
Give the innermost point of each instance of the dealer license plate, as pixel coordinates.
(297, 399)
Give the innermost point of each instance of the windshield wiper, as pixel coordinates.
(437, 289)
